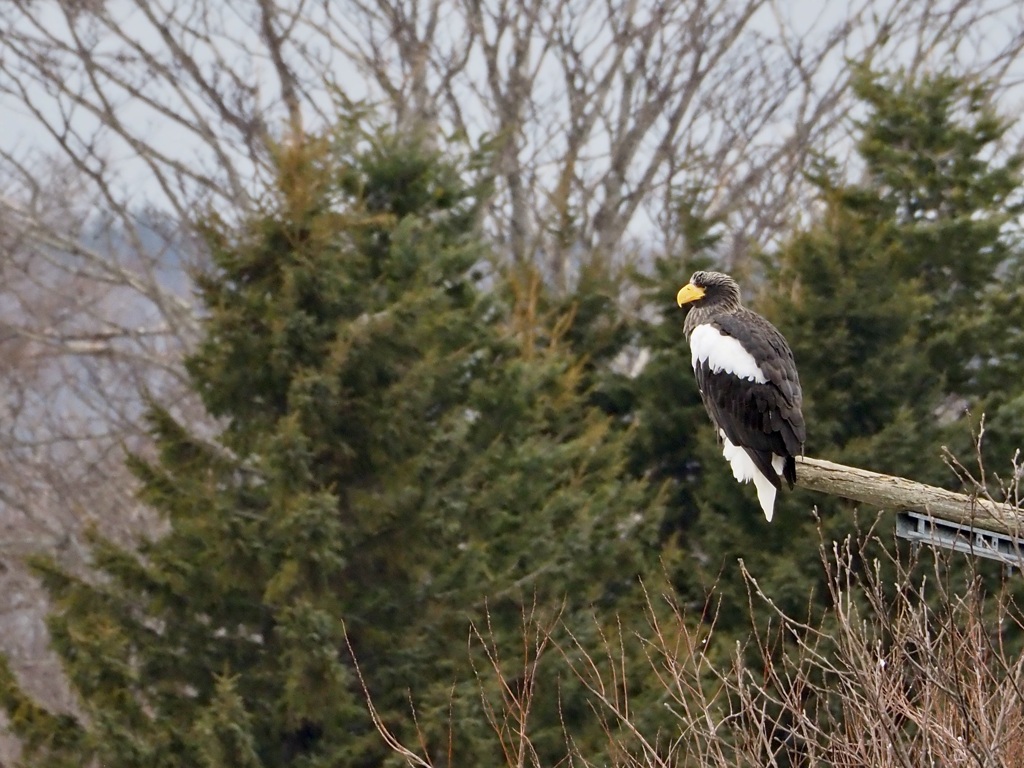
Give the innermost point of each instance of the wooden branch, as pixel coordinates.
(897, 493)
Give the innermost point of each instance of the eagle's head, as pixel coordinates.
(709, 288)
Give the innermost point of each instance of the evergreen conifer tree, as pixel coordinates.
(401, 456)
(898, 299)
(889, 299)
(895, 300)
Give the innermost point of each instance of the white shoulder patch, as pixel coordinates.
(723, 353)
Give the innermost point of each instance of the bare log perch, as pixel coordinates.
(898, 494)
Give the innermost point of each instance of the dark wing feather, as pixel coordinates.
(742, 409)
(771, 352)
(764, 419)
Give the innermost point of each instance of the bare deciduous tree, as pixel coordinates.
(90, 321)
(601, 116)
(604, 114)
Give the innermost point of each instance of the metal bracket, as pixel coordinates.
(968, 539)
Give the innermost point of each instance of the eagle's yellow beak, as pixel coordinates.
(688, 293)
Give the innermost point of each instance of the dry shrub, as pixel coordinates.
(914, 663)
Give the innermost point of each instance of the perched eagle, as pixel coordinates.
(748, 382)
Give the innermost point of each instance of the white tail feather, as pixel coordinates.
(744, 470)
